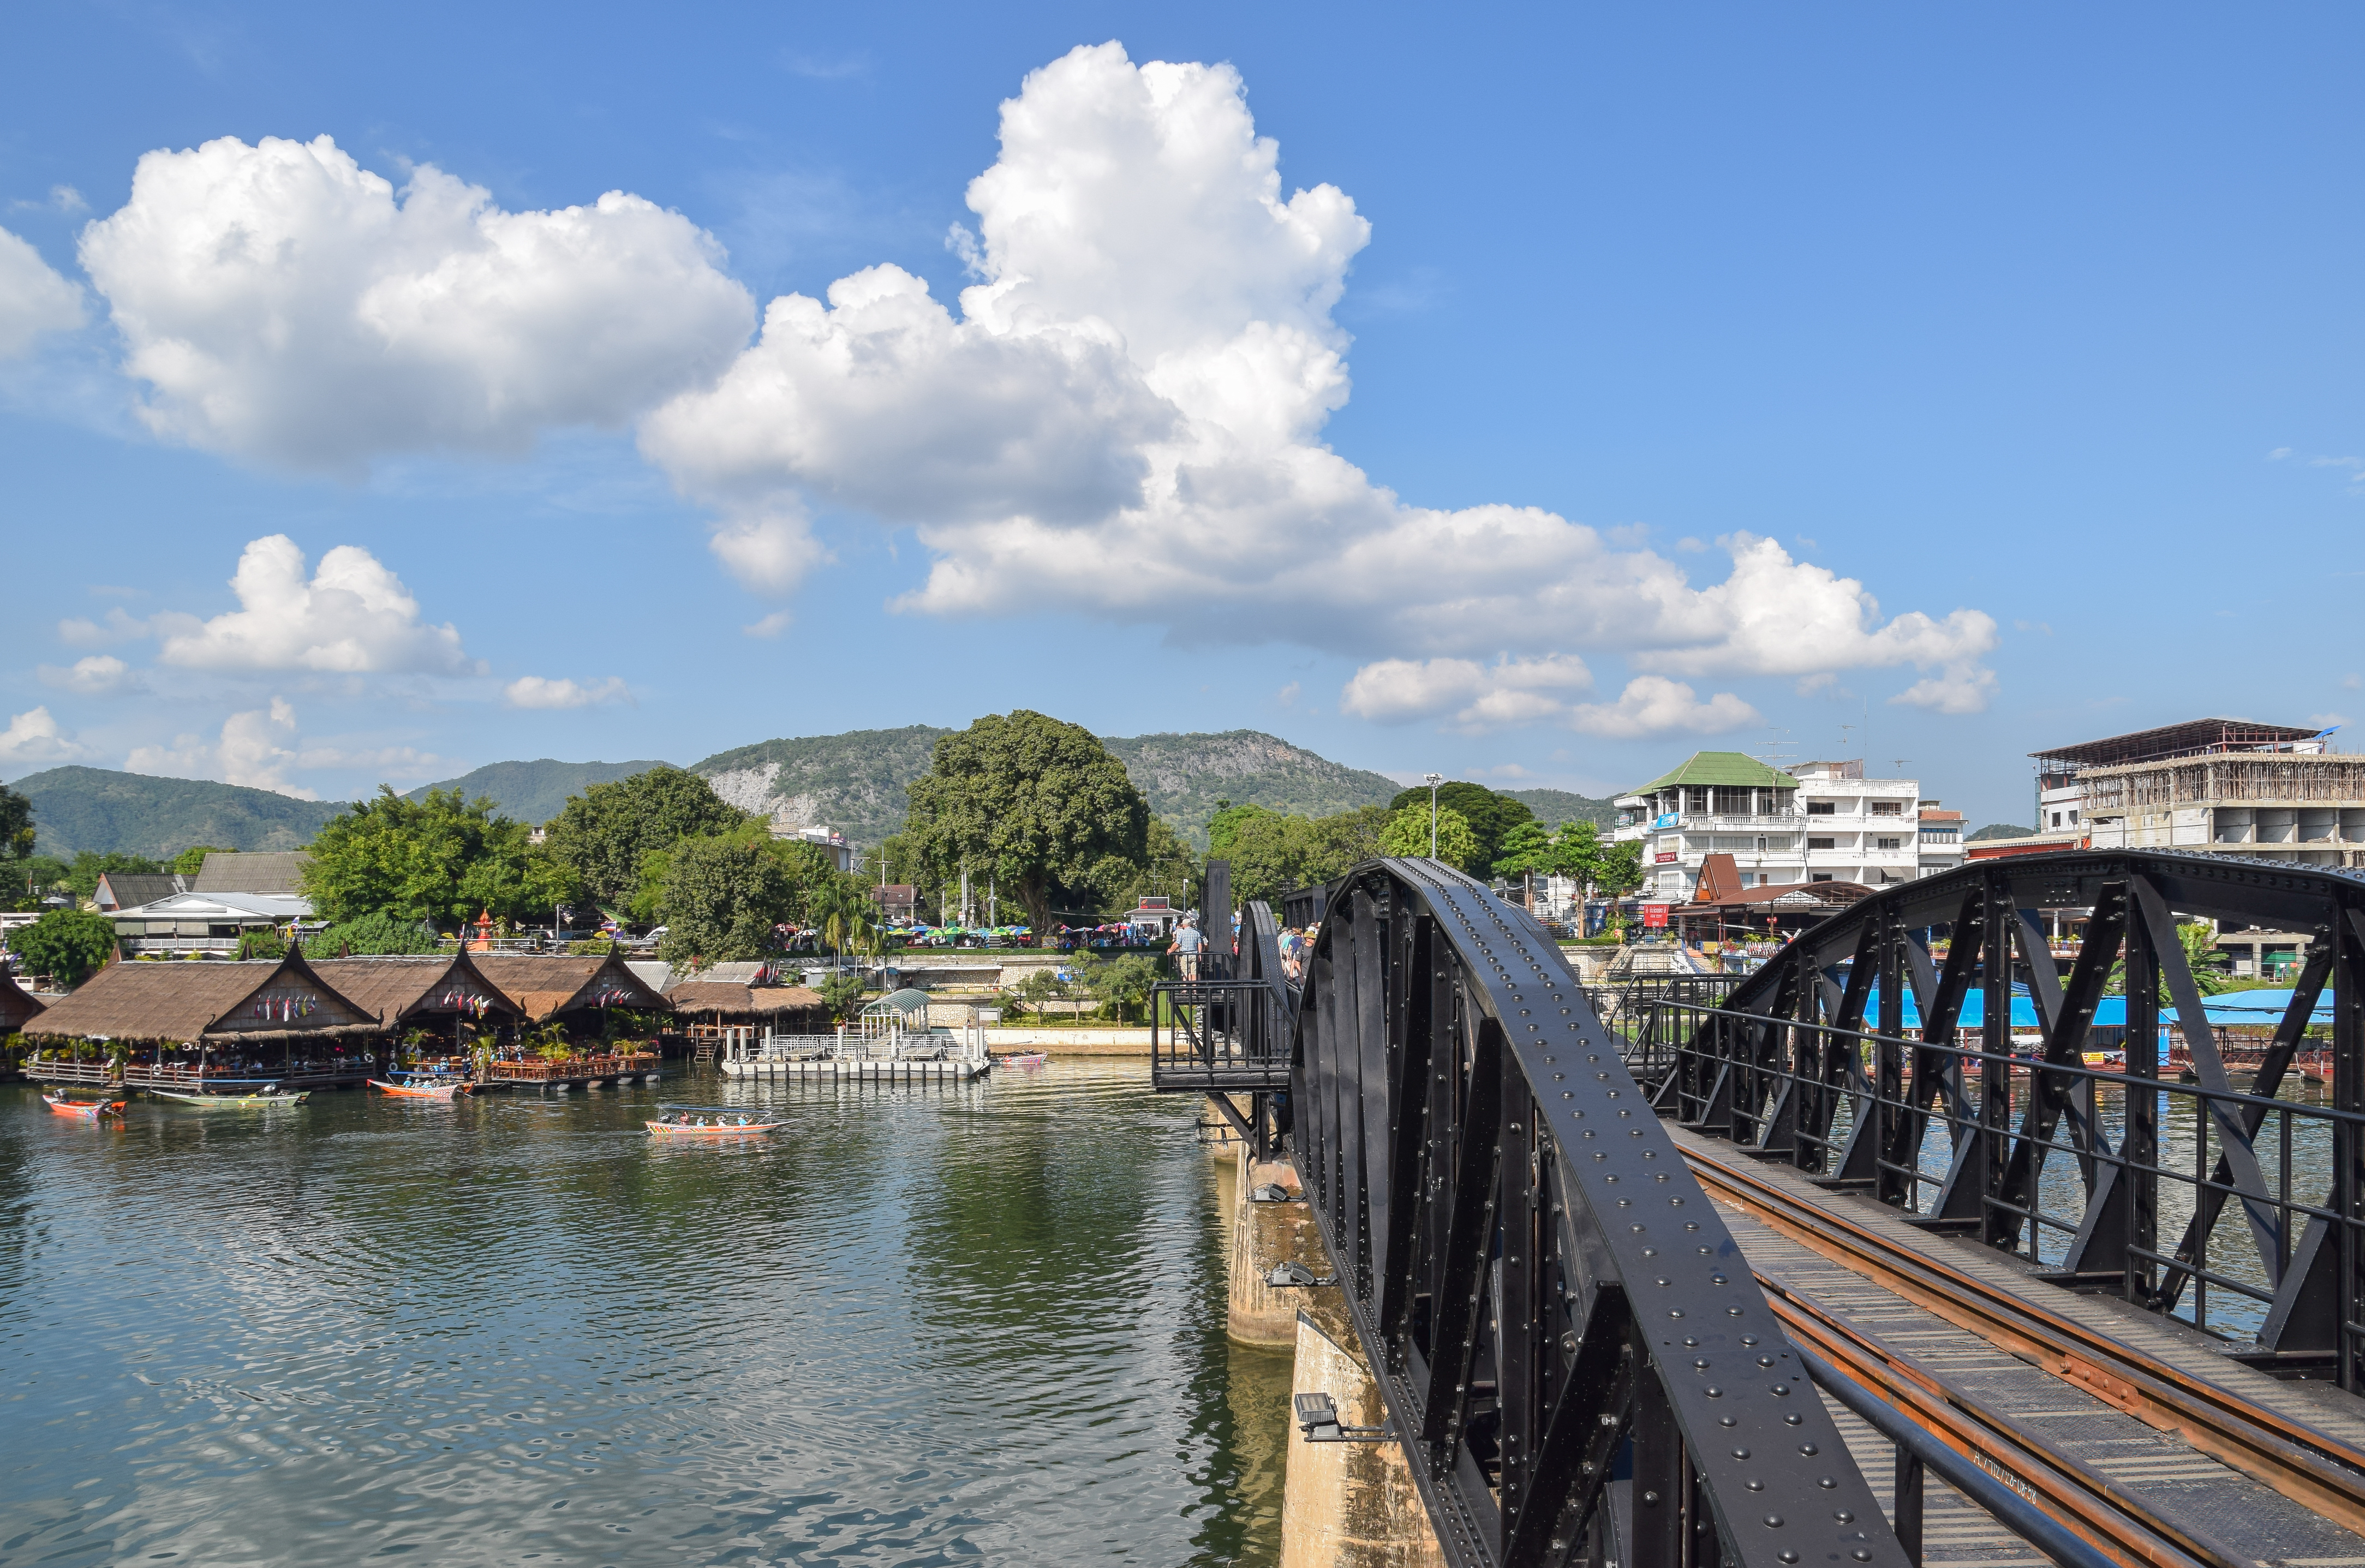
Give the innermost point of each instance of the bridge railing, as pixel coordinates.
(2164, 1231)
(1576, 1357)
(1218, 1034)
(2139, 1165)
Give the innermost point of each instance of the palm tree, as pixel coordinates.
(844, 914)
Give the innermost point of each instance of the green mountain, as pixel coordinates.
(535, 792)
(76, 808)
(855, 782)
(1183, 777)
(1553, 807)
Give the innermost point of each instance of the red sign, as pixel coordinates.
(1655, 915)
(1665, 858)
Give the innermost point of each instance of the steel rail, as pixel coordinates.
(2002, 1502)
(2081, 1498)
(2299, 1460)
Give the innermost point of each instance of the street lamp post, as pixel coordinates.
(1433, 780)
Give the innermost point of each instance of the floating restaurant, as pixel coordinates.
(436, 995)
(577, 991)
(575, 999)
(204, 1024)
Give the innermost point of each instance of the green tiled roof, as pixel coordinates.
(1729, 770)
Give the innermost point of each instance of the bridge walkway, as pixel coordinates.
(2201, 1509)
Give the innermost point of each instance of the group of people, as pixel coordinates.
(1296, 946)
(1190, 944)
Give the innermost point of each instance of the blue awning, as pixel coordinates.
(2262, 1009)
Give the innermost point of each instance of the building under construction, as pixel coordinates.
(2221, 786)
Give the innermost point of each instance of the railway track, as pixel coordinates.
(2322, 1472)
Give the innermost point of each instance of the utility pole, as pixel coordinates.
(1433, 779)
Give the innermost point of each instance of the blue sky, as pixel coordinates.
(1609, 367)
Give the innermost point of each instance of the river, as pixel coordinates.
(920, 1324)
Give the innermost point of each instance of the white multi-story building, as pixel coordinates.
(1942, 847)
(1859, 830)
(1822, 821)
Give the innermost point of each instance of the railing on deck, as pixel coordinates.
(2133, 1160)
(1218, 1034)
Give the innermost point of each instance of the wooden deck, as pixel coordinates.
(188, 1080)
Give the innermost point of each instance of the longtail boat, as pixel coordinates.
(88, 1110)
(712, 1121)
(418, 1090)
(232, 1102)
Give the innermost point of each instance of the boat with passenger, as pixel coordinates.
(714, 1120)
(85, 1110)
(269, 1096)
(418, 1086)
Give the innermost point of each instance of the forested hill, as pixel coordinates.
(855, 782)
(1183, 777)
(535, 792)
(76, 808)
(1553, 807)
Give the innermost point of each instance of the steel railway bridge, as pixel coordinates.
(1526, 1209)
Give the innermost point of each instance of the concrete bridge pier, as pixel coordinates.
(1346, 1504)
(1263, 1236)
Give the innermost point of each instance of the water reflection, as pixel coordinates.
(923, 1324)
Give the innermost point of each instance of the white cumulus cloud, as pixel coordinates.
(288, 306)
(353, 616)
(1652, 705)
(1961, 687)
(1478, 696)
(539, 692)
(252, 749)
(97, 676)
(1124, 417)
(80, 631)
(33, 299)
(35, 739)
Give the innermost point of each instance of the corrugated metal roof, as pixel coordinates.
(238, 871)
(1730, 769)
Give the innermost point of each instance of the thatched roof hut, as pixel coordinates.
(17, 1004)
(407, 992)
(555, 985)
(273, 1002)
(789, 1009)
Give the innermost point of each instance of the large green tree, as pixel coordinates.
(1030, 802)
(724, 897)
(438, 858)
(376, 934)
(16, 825)
(604, 833)
(1490, 818)
(90, 865)
(1273, 852)
(1410, 832)
(65, 943)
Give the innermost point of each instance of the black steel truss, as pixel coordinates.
(1575, 1354)
(1789, 1065)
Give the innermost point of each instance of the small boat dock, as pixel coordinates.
(892, 1043)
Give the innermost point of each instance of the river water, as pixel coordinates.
(917, 1326)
